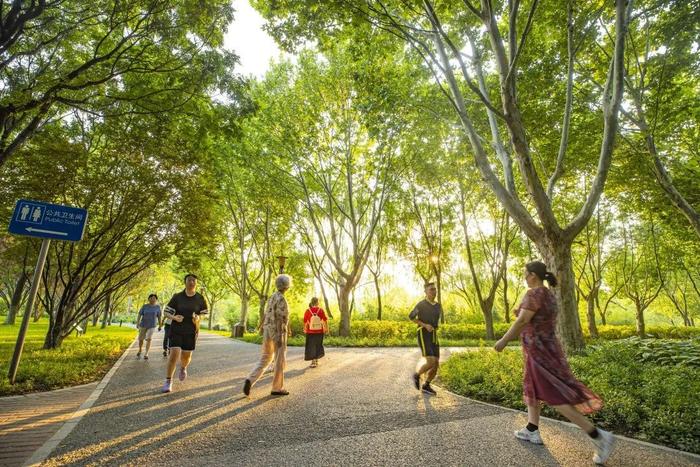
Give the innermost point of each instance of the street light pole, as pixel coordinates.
(281, 260)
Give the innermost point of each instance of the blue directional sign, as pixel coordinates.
(44, 220)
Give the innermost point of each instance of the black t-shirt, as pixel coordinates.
(186, 306)
(427, 312)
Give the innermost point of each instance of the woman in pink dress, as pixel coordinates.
(548, 377)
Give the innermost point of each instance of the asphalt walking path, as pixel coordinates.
(357, 408)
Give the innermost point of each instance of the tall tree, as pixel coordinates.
(322, 152)
(641, 270)
(58, 55)
(437, 33)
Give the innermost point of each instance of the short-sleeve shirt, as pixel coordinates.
(276, 317)
(307, 319)
(427, 312)
(186, 306)
(149, 315)
(542, 301)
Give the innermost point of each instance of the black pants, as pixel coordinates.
(166, 337)
(314, 347)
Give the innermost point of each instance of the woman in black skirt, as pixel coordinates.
(315, 326)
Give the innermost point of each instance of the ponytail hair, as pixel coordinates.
(540, 270)
(550, 278)
(313, 302)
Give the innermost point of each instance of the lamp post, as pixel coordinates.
(281, 260)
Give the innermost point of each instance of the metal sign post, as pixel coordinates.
(36, 280)
(47, 221)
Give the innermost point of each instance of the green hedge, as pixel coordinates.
(647, 400)
(336, 341)
(611, 332)
(406, 330)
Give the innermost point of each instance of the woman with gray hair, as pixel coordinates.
(274, 343)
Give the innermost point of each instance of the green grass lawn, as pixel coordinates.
(79, 360)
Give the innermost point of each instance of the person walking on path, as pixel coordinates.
(184, 309)
(426, 315)
(165, 324)
(274, 345)
(315, 326)
(146, 321)
(547, 376)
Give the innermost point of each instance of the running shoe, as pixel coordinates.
(527, 435)
(183, 374)
(246, 387)
(429, 390)
(168, 386)
(282, 392)
(145, 357)
(138, 355)
(604, 443)
(416, 380)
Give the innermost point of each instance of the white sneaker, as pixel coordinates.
(604, 444)
(527, 435)
(168, 386)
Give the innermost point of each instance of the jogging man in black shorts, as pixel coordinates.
(184, 309)
(426, 315)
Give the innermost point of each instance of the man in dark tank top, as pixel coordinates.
(426, 315)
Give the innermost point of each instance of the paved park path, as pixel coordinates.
(28, 421)
(358, 408)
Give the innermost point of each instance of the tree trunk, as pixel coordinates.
(590, 312)
(16, 301)
(487, 310)
(37, 312)
(438, 280)
(105, 313)
(244, 311)
(95, 318)
(641, 326)
(54, 337)
(506, 305)
(557, 255)
(261, 312)
(379, 297)
(344, 305)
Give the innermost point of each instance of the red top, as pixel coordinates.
(307, 319)
(547, 375)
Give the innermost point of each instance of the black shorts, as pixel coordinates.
(429, 343)
(184, 341)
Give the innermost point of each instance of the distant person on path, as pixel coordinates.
(146, 321)
(548, 377)
(315, 326)
(165, 324)
(426, 315)
(184, 309)
(274, 345)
